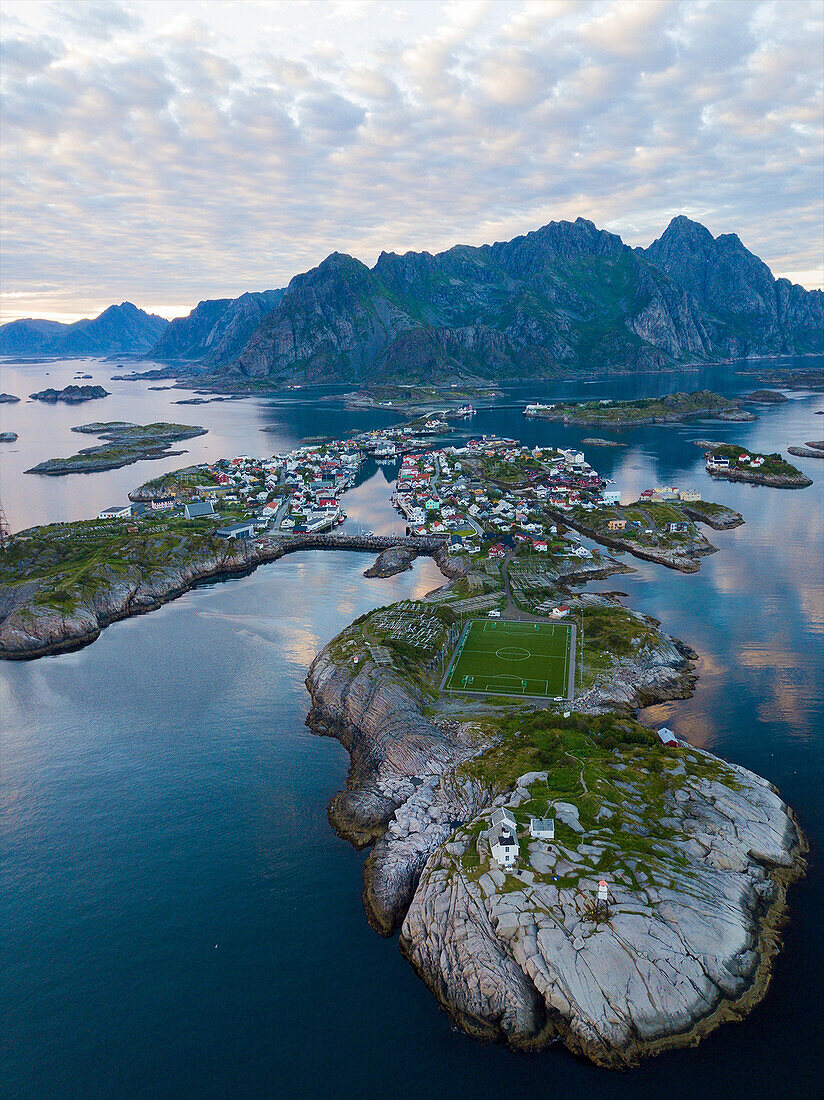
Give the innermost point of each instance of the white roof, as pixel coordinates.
(503, 816)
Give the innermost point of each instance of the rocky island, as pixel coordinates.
(70, 395)
(594, 441)
(793, 378)
(8, 399)
(813, 449)
(418, 400)
(125, 443)
(697, 853)
(675, 408)
(766, 397)
(733, 463)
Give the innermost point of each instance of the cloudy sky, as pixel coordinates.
(168, 152)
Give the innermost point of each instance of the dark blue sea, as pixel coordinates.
(177, 917)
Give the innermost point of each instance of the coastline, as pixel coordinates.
(752, 477)
(32, 637)
(406, 796)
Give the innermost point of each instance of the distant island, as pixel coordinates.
(730, 462)
(419, 400)
(125, 443)
(766, 397)
(792, 377)
(70, 395)
(118, 330)
(813, 449)
(672, 409)
(8, 399)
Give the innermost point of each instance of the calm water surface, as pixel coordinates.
(177, 917)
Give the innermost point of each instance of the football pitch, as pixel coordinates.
(497, 657)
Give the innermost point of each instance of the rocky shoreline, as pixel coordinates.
(531, 963)
(31, 628)
(811, 449)
(70, 395)
(683, 559)
(515, 957)
(753, 477)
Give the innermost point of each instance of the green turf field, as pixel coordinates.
(496, 657)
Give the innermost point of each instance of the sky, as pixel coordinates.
(163, 153)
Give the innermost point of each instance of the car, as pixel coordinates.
(494, 615)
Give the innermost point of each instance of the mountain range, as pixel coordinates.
(118, 330)
(567, 297)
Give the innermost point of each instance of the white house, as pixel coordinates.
(560, 612)
(116, 512)
(503, 838)
(542, 828)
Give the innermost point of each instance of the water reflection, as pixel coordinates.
(161, 795)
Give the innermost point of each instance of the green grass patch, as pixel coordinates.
(512, 658)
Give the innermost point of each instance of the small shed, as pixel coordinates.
(667, 736)
(542, 828)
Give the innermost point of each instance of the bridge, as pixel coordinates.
(428, 544)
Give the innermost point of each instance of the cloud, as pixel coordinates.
(211, 149)
(100, 19)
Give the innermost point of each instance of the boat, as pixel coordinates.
(464, 411)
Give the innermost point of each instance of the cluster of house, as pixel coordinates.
(536, 408)
(668, 493)
(193, 509)
(722, 462)
(503, 835)
(297, 491)
(440, 492)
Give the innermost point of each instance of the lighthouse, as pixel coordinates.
(603, 896)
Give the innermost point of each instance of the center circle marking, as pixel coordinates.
(513, 653)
